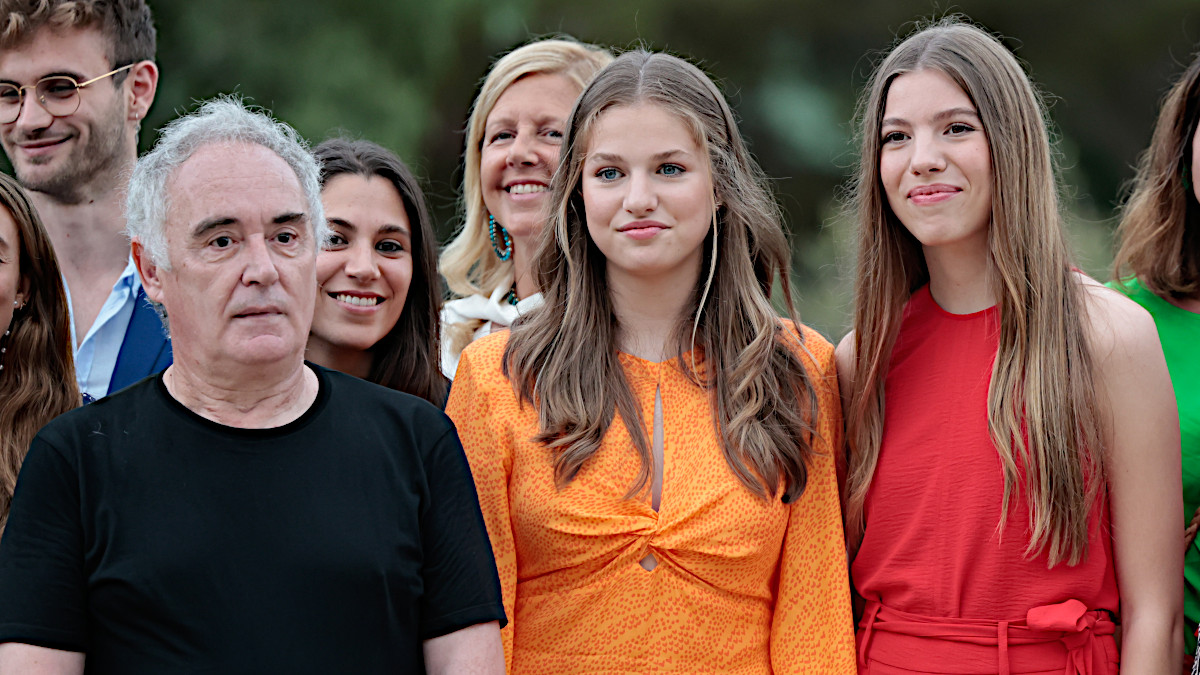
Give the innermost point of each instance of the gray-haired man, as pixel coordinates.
(243, 511)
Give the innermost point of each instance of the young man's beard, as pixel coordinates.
(96, 161)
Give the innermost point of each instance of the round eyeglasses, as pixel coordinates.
(57, 94)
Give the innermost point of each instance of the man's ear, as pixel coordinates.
(148, 270)
(143, 79)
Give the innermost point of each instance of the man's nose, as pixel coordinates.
(32, 116)
(259, 264)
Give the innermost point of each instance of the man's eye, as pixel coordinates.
(222, 242)
(285, 237)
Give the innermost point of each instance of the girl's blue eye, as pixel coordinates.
(670, 170)
(608, 174)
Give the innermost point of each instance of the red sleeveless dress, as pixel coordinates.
(946, 590)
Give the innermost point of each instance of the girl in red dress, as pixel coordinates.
(1011, 422)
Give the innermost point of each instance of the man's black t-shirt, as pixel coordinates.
(158, 541)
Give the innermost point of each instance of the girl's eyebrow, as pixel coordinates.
(943, 115)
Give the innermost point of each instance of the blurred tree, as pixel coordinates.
(404, 73)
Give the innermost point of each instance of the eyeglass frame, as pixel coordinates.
(41, 100)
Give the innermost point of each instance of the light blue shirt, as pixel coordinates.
(96, 356)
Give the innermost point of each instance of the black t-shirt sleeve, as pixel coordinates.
(461, 584)
(43, 592)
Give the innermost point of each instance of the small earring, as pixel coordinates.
(4, 349)
(502, 252)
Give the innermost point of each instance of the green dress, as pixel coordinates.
(1179, 332)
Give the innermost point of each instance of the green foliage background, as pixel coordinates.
(404, 72)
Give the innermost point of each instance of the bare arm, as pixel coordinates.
(31, 660)
(474, 650)
(845, 366)
(844, 355)
(1144, 483)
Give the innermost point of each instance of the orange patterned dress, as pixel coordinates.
(742, 585)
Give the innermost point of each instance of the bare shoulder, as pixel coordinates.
(1117, 327)
(845, 360)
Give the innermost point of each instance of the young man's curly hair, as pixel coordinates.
(127, 25)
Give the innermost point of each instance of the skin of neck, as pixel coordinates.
(258, 397)
(523, 249)
(955, 280)
(356, 362)
(1188, 304)
(89, 236)
(649, 310)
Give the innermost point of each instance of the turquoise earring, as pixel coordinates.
(502, 252)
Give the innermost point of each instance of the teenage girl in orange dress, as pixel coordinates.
(653, 446)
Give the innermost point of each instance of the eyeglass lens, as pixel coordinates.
(58, 95)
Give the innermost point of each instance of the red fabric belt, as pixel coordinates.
(1065, 636)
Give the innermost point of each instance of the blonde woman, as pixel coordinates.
(1158, 266)
(653, 447)
(1010, 420)
(514, 135)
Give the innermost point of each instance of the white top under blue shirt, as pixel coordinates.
(96, 356)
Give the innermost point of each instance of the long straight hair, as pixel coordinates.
(38, 380)
(1160, 224)
(563, 359)
(1042, 410)
(406, 358)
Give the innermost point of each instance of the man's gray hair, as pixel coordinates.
(220, 120)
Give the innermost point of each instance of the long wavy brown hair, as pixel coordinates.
(406, 358)
(1160, 224)
(38, 380)
(562, 358)
(1042, 409)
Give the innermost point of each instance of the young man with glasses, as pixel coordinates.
(76, 79)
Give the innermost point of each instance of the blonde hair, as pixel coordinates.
(1042, 410)
(563, 357)
(467, 262)
(1160, 224)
